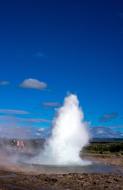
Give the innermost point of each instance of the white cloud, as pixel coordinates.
(33, 83)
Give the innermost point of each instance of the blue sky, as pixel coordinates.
(71, 46)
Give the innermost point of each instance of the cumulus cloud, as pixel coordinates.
(108, 117)
(51, 104)
(33, 83)
(13, 112)
(4, 83)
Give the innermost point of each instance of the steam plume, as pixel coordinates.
(69, 135)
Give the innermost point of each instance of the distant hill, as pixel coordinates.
(106, 140)
(104, 133)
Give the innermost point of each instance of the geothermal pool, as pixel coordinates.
(93, 168)
(53, 169)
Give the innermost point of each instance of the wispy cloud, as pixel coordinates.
(33, 84)
(20, 119)
(36, 120)
(4, 83)
(13, 112)
(108, 117)
(51, 104)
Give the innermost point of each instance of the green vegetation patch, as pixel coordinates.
(114, 147)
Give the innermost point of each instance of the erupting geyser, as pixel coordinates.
(69, 136)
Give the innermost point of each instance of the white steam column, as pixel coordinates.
(69, 135)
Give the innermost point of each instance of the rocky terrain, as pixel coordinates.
(20, 181)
